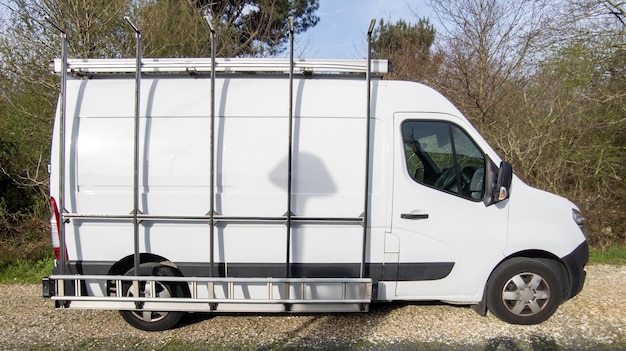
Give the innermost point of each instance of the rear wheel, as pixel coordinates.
(153, 320)
(524, 291)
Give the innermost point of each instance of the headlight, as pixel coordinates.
(579, 219)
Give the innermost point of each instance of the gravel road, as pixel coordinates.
(594, 320)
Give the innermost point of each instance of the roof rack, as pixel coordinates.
(229, 65)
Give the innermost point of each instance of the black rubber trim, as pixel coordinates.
(377, 271)
(414, 215)
(575, 264)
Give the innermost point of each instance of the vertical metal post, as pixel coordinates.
(367, 146)
(212, 150)
(62, 119)
(290, 155)
(136, 149)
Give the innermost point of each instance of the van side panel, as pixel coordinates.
(251, 171)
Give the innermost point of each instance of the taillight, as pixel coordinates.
(55, 231)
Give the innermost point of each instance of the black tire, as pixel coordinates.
(524, 291)
(151, 320)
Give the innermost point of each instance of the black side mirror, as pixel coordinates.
(503, 185)
(497, 182)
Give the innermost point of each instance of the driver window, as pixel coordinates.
(442, 156)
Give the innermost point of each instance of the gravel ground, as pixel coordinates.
(594, 320)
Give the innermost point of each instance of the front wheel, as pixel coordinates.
(153, 320)
(524, 291)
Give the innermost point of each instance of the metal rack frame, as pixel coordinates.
(222, 65)
(140, 66)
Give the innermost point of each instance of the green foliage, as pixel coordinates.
(408, 47)
(549, 101)
(172, 28)
(23, 236)
(559, 114)
(27, 98)
(390, 38)
(615, 255)
(96, 29)
(24, 129)
(570, 134)
(258, 27)
(26, 271)
(248, 28)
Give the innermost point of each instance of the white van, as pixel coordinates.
(256, 190)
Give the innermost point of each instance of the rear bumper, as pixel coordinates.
(575, 265)
(47, 287)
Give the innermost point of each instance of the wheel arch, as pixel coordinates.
(127, 263)
(545, 256)
(554, 261)
(511, 296)
(532, 254)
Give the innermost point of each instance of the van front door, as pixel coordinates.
(449, 240)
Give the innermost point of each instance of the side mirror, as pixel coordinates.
(497, 182)
(503, 185)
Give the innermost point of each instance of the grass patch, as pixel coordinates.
(615, 255)
(25, 271)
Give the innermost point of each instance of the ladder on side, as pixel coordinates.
(213, 294)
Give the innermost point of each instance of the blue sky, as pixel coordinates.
(343, 25)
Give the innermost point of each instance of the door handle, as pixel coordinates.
(414, 215)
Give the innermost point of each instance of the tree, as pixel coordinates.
(591, 71)
(408, 46)
(258, 27)
(486, 44)
(544, 83)
(172, 28)
(246, 28)
(569, 136)
(96, 29)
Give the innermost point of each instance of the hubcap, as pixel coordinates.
(146, 291)
(526, 294)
